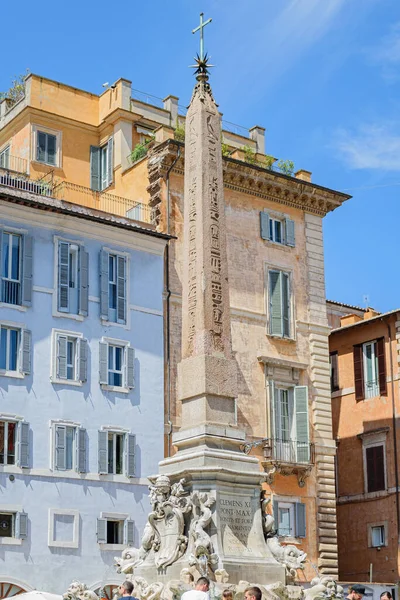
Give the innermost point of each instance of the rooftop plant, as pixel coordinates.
(17, 89)
(286, 166)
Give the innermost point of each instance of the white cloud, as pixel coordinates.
(370, 147)
(386, 54)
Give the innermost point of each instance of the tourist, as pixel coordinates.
(386, 596)
(252, 593)
(200, 591)
(356, 592)
(227, 595)
(126, 590)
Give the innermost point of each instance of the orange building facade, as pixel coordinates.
(125, 156)
(365, 374)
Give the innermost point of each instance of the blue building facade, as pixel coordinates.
(81, 389)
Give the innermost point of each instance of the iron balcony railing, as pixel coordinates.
(13, 163)
(24, 184)
(289, 451)
(10, 291)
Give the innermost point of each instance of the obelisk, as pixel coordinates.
(208, 443)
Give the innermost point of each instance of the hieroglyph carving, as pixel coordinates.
(216, 284)
(192, 294)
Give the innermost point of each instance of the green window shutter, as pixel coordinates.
(275, 303)
(83, 282)
(82, 359)
(110, 161)
(26, 345)
(101, 531)
(130, 455)
(104, 292)
(103, 363)
(63, 277)
(130, 367)
(23, 450)
(60, 447)
(62, 342)
(102, 452)
(27, 270)
(302, 431)
(21, 525)
(81, 450)
(95, 176)
(300, 509)
(129, 532)
(290, 232)
(285, 304)
(121, 289)
(264, 225)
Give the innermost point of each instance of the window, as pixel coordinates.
(16, 268)
(278, 229)
(279, 304)
(63, 529)
(113, 287)
(117, 453)
(101, 166)
(117, 365)
(333, 362)
(13, 524)
(73, 279)
(14, 443)
(5, 158)
(378, 536)
(370, 369)
(69, 447)
(290, 424)
(70, 357)
(290, 518)
(115, 529)
(46, 148)
(15, 350)
(375, 463)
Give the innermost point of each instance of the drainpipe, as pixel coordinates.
(167, 301)
(396, 470)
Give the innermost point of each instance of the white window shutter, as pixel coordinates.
(300, 520)
(121, 289)
(81, 450)
(63, 277)
(62, 342)
(26, 351)
(82, 359)
(83, 282)
(130, 456)
(27, 270)
(101, 531)
(104, 291)
(302, 432)
(290, 232)
(21, 525)
(275, 303)
(129, 532)
(264, 225)
(103, 363)
(130, 367)
(60, 447)
(102, 452)
(23, 445)
(110, 161)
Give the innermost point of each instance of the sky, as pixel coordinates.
(322, 76)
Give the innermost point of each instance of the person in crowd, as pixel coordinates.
(386, 596)
(200, 591)
(227, 595)
(252, 593)
(356, 592)
(126, 590)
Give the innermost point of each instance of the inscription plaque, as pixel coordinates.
(236, 515)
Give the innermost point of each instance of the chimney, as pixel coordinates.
(171, 104)
(370, 313)
(304, 175)
(349, 320)
(257, 134)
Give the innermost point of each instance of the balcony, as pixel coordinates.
(15, 164)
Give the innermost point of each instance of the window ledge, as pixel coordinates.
(13, 374)
(115, 388)
(108, 323)
(46, 164)
(63, 544)
(65, 315)
(104, 546)
(281, 338)
(10, 541)
(72, 382)
(14, 306)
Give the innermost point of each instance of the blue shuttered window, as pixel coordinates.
(278, 229)
(279, 303)
(73, 279)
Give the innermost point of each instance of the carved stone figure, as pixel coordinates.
(79, 591)
(324, 588)
(201, 511)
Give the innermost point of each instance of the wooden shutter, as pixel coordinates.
(380, 352)
(264, 225)
(302, 432)
(83, 282)
(290, 232)
(102, 452)
(121, 289)
(275, 303)
(375, 468)
(60, 447)
(21, 525)
(129, 532)
(23, 450)
(101, 531)
(62, 344)
(130, 454)
(104, 284)
(95, 169)
(26, 345)
(300, 509)
(130, 367)
(103, 363)
(333, 357)
(271, 398)
(82, 359)
(81, 450)
(285, 304)
(110, 161)
(358, 371)
(63, 276)
(27, 270)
